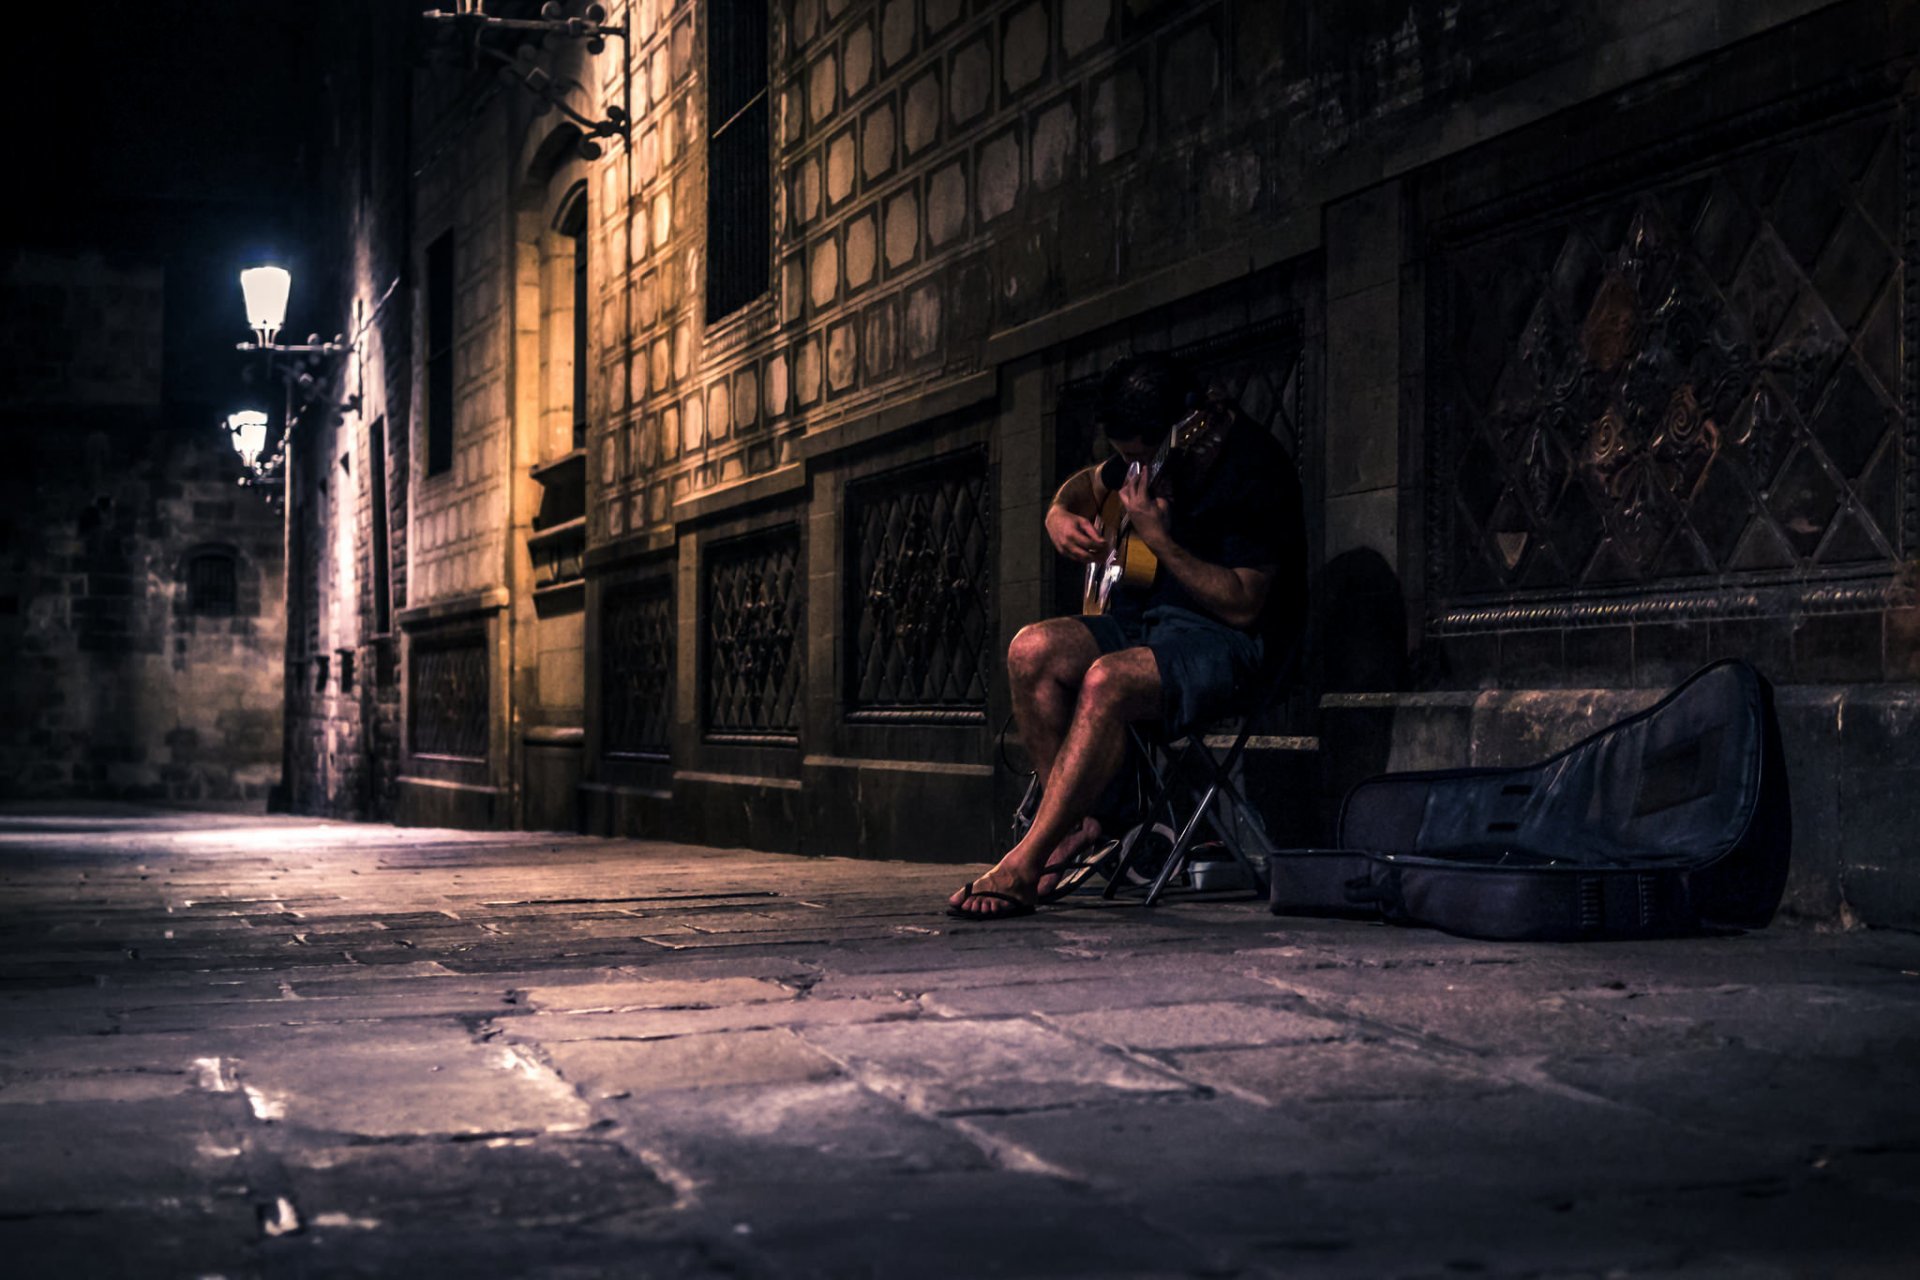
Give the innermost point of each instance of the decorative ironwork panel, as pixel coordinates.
(447, 698)
(636, 672)
(1259, 368)
(754, 599)
(1690, 390)
(918, 590)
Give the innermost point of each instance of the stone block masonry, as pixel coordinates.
(140, 585)
(1542, 296)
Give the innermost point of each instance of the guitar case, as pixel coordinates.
(1672, 821)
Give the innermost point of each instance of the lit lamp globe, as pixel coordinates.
(249, 428)
(266, 291)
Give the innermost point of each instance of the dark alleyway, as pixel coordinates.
(244, 1046)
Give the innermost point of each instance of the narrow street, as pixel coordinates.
(245, 1046)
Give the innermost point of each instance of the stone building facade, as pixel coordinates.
(140, 583)
(346, 455)
(719, 452)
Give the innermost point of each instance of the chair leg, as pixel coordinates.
(1123, 859)
(1023, 812)
(1141, 758)
(1177, 856)
(1248, 821)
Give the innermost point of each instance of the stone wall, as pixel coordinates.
(126, 679)
(350, 454)
(808, 527)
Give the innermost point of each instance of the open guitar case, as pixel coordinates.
(1672, 821)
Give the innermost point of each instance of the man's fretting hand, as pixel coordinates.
(1074, 536)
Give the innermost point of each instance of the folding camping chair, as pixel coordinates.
(1170, 771)
(1161, 768)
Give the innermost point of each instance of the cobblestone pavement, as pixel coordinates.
(247, 1046)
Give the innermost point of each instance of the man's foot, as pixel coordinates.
(1069, 860)
(994, 896)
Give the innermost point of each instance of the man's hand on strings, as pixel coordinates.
(1075, 536)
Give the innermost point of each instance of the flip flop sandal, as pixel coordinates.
(1070, 873)
(1015, 907)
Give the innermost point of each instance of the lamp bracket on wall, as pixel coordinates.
(525, 71)
(309, 370)
(311, 347)
(591, 26)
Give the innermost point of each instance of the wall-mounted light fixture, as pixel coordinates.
(522, 67)
(249, 431)
(305, 367)
(266, 290)
(592, 26)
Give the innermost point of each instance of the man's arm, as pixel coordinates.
(1069, 521)
(1235, 596)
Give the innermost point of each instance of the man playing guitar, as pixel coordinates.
(1229, 591)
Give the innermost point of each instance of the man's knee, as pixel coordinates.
(1027, 655)
(1115, 685)
(1041, 650)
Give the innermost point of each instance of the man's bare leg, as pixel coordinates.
(1118, 688)
(1045, 665)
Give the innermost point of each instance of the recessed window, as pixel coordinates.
(573, 225)
(739, 163)
(377, 503)
(440, 354)
(212, 584)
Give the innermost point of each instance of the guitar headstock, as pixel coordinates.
(1197, 436)
(1205, 426)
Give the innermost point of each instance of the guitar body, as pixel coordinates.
(1129, 564)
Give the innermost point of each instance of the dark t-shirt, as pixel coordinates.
(1244, 513)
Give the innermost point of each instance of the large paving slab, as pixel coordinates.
(272, 1047)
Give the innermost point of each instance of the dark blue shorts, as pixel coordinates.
(1208, 670)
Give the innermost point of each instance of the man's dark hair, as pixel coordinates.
(1141, 396)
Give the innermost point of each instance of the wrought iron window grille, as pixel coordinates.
(919, 593)
(1684, 398)
(448, 698)
(752, 638)
(637, 664)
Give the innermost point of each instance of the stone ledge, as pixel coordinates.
(636, 546)
(777, 483)
(898, 766)
(911, 411)
(492, 600)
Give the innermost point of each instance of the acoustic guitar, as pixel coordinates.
(1129, 564)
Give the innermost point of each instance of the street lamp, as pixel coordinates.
(266, 290)
(249, 430)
